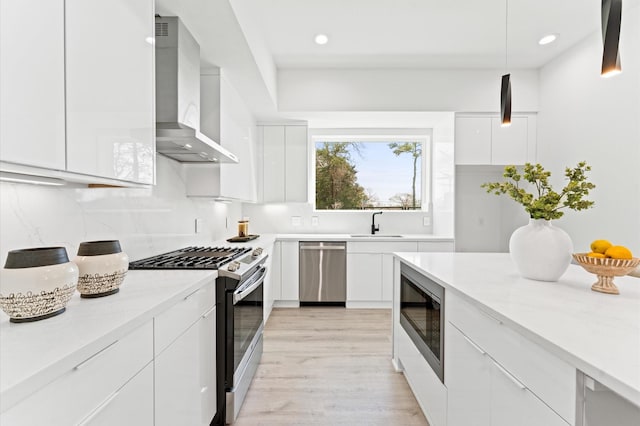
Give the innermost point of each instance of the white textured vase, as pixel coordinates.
(540, 250)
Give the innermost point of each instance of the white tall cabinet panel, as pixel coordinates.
(295, 163)
(273, 164)
(110, 89)
(32, 83)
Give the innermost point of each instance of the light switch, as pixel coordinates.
(198, 226)
(314, 221)
(426, 221)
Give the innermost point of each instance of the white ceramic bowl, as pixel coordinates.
(37, 283)
(103, 267)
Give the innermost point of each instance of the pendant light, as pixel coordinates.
(505, 86)
(611, 18)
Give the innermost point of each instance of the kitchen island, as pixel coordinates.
(544, 334)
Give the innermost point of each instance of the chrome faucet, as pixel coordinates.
(374, 227)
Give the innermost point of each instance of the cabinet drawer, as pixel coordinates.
(548, 377)
(76, 394)
(175, 320)
(381, 246)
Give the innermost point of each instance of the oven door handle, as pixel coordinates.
(252, 284)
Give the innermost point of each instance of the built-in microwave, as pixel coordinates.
(422, 316)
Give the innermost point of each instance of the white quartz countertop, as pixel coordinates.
(34, 354)
(362, 237)
(595, 332)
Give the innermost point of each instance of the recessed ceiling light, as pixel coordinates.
(547, 39)
(321, 39)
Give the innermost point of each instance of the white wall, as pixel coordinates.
(403, 90)
(585, 117)
(146, 221)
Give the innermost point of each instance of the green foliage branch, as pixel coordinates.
(548, 204)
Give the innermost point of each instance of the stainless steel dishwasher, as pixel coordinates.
(323, 273)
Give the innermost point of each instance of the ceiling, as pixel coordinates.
(421, 33)
(252, 39)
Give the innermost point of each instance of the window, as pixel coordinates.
(385, 172)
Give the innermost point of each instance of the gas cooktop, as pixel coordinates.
(191, 258)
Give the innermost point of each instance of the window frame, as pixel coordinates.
(377, 135)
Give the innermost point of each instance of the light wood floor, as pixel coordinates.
(329, 366)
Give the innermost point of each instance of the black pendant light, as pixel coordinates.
(611, 18)
(505, 100)
(505, 86)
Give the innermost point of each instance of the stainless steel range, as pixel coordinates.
(239, 315)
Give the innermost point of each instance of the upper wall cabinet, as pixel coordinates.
(480, 139)
(78, 103)
(225, 118)
(284, 163)
(32, 83)
(110, 88)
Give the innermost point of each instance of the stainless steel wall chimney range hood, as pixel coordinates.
(178, 97)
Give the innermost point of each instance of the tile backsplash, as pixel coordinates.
(146, 221)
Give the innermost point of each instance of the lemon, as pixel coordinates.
(596, 255)
(600, 246)
(618, 252)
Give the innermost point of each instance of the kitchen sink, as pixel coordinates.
(375, 236)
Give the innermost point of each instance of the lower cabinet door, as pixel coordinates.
(132, 404)
(185, 377)
(364, 277)
(468, 379)
(513, 404)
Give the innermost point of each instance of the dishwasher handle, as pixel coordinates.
(323, 248)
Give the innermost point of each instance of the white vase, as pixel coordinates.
(37, 283)
(540, 250)
(103, 267)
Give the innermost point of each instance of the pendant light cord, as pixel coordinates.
(506, 33)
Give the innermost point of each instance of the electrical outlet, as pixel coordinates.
(296, 221)
(198, 226)
(426, 221)
(314, 221)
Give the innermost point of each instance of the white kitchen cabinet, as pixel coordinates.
(509, 145)
(32, 83)
(185, 387)
(490, 370)
(284, 168)
(110, 104)
(226, 119)
(295, 162)
(473, 140)
(131, 404)
(467, 375)
(364, 277)
(272, 281)
(99, 387)
(184, 364)
(481, 140)
(273, 180)
(290, 274)
(482, 392)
